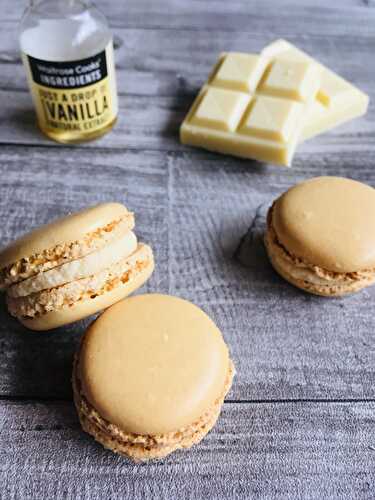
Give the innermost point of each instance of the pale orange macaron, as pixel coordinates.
(151, 376)
(74, 267)
(321, 236)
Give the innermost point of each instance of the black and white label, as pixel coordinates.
(76, 96)
(70, 74)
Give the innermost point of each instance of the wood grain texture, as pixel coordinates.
(155, 92)
(194, 212)
(152, 123)
(273, 451)
(252, 15)
(38, 186)
(186, 60)
(204, 215)
(285, 343)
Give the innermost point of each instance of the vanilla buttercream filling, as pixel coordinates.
(65, 252)
(89, 265)
(71, 293)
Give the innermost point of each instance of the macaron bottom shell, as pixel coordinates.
(142, 448)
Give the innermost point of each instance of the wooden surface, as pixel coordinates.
(299, 421)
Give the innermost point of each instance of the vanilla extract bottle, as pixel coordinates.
(67, 50)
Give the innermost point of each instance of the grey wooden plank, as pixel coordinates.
(155, 92)
(38, 186)
(153, 62)
(286, 344)
(273, 451)
(194, 208)
(252, 15)
(153, 123)
(194, 211)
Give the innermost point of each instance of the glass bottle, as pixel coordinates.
(67, 50)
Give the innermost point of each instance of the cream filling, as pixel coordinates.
(304, 274)
(308, 276)
(123, 273)
(81, 268)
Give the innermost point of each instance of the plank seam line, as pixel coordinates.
(225, 29)
(300, 400)
(46, 399)
(178, 153)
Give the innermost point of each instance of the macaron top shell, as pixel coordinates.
(328, 222)
(61, 231)
(153, 364)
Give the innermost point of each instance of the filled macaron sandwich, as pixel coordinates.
(74, 267)
(321, 236)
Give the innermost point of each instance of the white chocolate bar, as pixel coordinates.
(337, 101)
(253, 106)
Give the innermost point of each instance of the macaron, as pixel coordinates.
(321, 236)
(74, 267)
(150, 376)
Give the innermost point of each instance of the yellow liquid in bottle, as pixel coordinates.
(67, 51)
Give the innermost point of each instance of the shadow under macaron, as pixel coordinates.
(37, 364)
(251, 254)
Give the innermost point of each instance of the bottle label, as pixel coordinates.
(74, 96)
